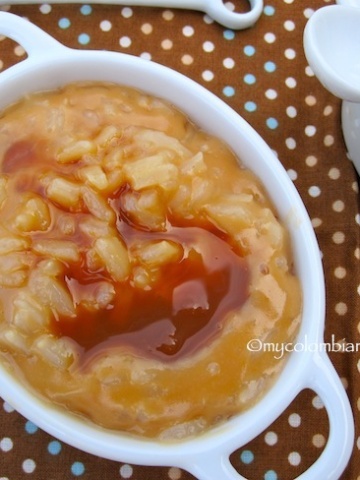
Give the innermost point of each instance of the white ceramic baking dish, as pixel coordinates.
(49, 65)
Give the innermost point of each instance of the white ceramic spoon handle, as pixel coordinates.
(214, 8)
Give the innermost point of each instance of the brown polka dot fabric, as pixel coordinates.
(262, 73)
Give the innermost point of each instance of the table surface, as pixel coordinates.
(262, 73)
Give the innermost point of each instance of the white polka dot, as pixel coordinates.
(340, 272)
(188, 31)
(357, 218)
(294, 458)
(208, 47)
(1, 64)
(127, 12)
(290, 53)
(318, 440)
(174, 473)
(317, 402)
(45, 8)
(29, 465)
(357, 253)
(328, 110)
(341, 308)
(291, 112)
(271, 438)
(145, 56)
(308, 12)
(125, 42)
(229, 63)
(208, 75)
(292, 174)
(271, 94)
(8, 408)
(167, 44)
(358, 443)
(310, 130)
(105, 26)
(355, 187)
(126, 471)
(290, 82)
(338, 206)
(289, 25)
(314, 191)
(290, 143)
(269, 37)
(146, 28)
(6, 444)
(294, 420)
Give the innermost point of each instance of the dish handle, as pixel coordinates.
(35, 41)
(332, 462)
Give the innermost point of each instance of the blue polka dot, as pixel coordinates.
(249, 50)
(86, 10)
(270, 475)
(77, 469)
(250, 106)
(250, 79)
(272, 123)
(269, 10)
(54, 447)
(270, 67)
(84, 39)
(229, 35)
(247, 456)
(229, 91)
(31, 427)
(64, 23)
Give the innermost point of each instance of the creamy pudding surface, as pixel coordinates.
(142, 267)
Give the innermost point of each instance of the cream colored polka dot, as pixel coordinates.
(357, 218)
(338, 206)
(355, 187)
(358, 443)
(290, 143)
(19, 51)
(310, 100)
(147, 28)
(174, 473)
(1, 64)
(334, 173)
(358, 365)
(340, 272)
(168, 15)
(318, 440)
(357, 253)
(316, 222)
(271, 438)
(311, 161)
(187, 59)
(308, 12)
(338, 238)
(146, 56)
(167, 44)
(358, 403)
(341, 308)
(309, 72)
(188, 31)
(358, 290)
(329, 140)
(345, 382)
(6, 444)
(292, 174)
(328, 110)
(45, 8)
